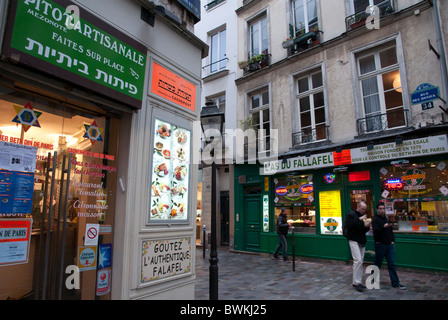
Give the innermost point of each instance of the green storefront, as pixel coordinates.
(317, 191)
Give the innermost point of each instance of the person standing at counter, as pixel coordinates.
(384, 244)
(282, 231)
(357, 225)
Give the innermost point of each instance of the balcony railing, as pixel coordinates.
(256, 62)
(302, 40)
(382, 122)
(358, 19)
(321, 133)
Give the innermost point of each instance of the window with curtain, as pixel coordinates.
(361, 5)
(258, 36)
(304, 16)
(380, 86)
(218, 51)
(311, 107)
(259, 111)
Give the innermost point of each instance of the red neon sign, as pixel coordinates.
(359, 176)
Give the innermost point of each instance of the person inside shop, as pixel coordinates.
(384, 244)
(282, 231)
(357, 225)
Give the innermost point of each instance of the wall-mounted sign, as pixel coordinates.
(359, 176)
(265, 213)
(165, 258)
(393, 184)
(330, 212)
(16, 192)
(15, 236)
(383, 152)
(172, 87)
(194, 6)
(425, 92)
(81, 49)
(171, 174)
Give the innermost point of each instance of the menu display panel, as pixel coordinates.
(170, 173)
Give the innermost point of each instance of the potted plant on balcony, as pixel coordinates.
(287, 43)
(243, 64)
(258, 61)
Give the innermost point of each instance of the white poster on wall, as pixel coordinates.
(17, 157)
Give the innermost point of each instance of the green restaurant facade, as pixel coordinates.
(318, 189)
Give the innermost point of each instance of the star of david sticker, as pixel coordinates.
(93, 133)
(26, 116)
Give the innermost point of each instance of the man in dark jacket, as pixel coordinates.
(356, 235)
(384, 244)
(282, 231)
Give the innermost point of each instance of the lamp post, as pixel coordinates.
(212, 118)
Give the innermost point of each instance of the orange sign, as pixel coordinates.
(342, 158)
(172, 87)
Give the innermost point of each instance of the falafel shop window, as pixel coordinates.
(170, 172)
(295, 193)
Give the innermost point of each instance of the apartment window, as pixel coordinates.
(259, 112)
(311, 108)
(304, 16)
(218, 51)
(258, 36)
(381, 91)
(361, 5)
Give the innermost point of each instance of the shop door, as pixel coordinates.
(252, 211)
(72, 190)
(360, 194)
(224, 200)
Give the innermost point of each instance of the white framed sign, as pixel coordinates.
(165, 258)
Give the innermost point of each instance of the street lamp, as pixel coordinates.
(212, 118)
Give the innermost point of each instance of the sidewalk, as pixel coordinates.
(245, 276)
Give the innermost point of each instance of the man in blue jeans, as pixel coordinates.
(282, 231)
(384, 244)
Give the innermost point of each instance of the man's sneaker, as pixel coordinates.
(400, 287)
(359, 287)
(362, 286)
(275, 257)
(286, 260)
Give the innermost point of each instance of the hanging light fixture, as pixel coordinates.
(397, 83)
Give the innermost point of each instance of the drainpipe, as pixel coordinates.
(441, 51)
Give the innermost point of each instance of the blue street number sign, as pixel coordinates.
(425, 92)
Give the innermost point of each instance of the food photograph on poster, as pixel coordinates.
(170, 176)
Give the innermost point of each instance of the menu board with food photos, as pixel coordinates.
(170, 173)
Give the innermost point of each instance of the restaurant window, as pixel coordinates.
(416, 196)
(295, 193)
(70, 206)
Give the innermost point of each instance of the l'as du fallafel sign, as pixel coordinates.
(64, 40)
